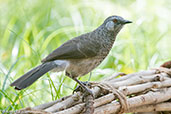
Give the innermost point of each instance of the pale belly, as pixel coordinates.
(81, 67)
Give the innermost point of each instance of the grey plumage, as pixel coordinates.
(34, 74)
(83, 53)
(31, 76)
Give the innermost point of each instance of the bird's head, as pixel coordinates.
(115, 23)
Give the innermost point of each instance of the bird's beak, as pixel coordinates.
(127, 22)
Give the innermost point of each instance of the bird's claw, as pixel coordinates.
(79, 88)
(86, 93)
(85, 90)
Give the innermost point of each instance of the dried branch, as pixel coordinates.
(144, 91)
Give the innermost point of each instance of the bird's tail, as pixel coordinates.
(32, 75)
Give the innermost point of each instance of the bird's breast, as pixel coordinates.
(106, 46)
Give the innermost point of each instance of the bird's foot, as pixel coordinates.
(79, 88)
(88, 92)
(87, 98)
(83, 87)
(87, 95)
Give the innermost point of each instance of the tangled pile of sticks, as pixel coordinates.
(144, 91)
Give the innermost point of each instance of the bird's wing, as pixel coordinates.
(77, 48)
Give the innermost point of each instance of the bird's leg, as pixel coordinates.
(88, 98)
(83, 85)
(86, 83)
(79, 88)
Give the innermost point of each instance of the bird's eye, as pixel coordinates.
(115, 20)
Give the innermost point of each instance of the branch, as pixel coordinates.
(144, 91)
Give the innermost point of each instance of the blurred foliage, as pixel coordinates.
(31, 29)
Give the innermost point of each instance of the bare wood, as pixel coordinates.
(147, 91)
(149, 98)
(142, 73)
(47, 105)
(127, 90)
(154, 107)
(64, 104)
(139, 79)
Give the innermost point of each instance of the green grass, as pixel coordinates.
(31, 29)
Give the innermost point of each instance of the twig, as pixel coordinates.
(146, 91)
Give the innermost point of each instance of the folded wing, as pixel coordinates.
(78, 48)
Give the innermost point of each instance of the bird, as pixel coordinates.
(78, 56)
